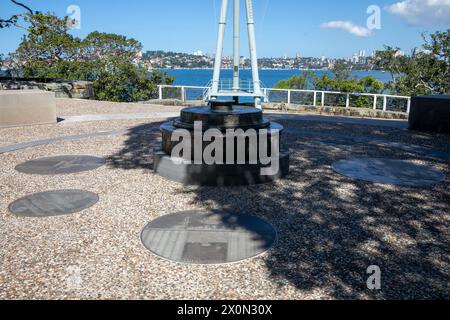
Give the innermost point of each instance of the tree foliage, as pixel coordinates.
(13, 20)
(337, 80)
(425, 71)
(110, 61)
(300, 82)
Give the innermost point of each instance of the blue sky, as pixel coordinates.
(283, 26)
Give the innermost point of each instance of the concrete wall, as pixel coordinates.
(62, 89)
(26, 107)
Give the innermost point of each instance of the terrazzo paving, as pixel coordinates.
(330, 228)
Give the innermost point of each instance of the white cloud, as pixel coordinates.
(349, 27)
(422, 12)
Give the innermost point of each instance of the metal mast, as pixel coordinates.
(253, 55)
(219, 48)
(236, 91)
(236, 39)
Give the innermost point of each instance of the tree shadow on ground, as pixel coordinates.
(332, 228)
(137, 152)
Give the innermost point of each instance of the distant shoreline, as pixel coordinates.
(261, 69)
(269, 77)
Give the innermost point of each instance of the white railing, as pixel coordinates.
(226, 85)
(314, 98)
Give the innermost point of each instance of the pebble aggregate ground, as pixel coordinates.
(331, 228)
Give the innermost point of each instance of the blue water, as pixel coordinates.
(201, 77)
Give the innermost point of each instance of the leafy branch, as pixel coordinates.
(13, 20)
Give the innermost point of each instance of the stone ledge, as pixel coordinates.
(62, 88)
(337, 111)
(176, 103)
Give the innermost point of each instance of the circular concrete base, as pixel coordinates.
(53, 203)
(208, 237)
(389, 171)
(61, 165)
(217, 175)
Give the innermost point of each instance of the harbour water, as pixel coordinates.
(201, 77)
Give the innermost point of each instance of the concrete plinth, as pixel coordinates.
(26, 107)
(430, 113)
(220, 175)
(242, 135)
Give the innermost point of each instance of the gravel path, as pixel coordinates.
(76, 107)
(331, 228)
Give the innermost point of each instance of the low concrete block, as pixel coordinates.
(26, 107)
(430, 113)
(218, 175)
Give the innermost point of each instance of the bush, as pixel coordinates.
(108, 60)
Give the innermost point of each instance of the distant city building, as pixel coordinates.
(199, 53)
(399, 53)
(202, 60)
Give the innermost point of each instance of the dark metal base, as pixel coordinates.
(222, 116)
(218, 175)
(430, 113)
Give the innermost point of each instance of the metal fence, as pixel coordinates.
(302, 97)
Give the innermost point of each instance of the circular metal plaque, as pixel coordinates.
(208, 237)
(53, 203)
(61, 165)
(388, 171)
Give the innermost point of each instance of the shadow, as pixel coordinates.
(237, 237)
(137, 152)
(332, 228)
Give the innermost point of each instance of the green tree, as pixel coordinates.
(119, 80)
(338, 80)
(327, 82)
(371, 85)
(110, 61)
(299, 82)
(425, 71)
(105, 45)
(341, 72)
(14, 19)
(47, 50)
